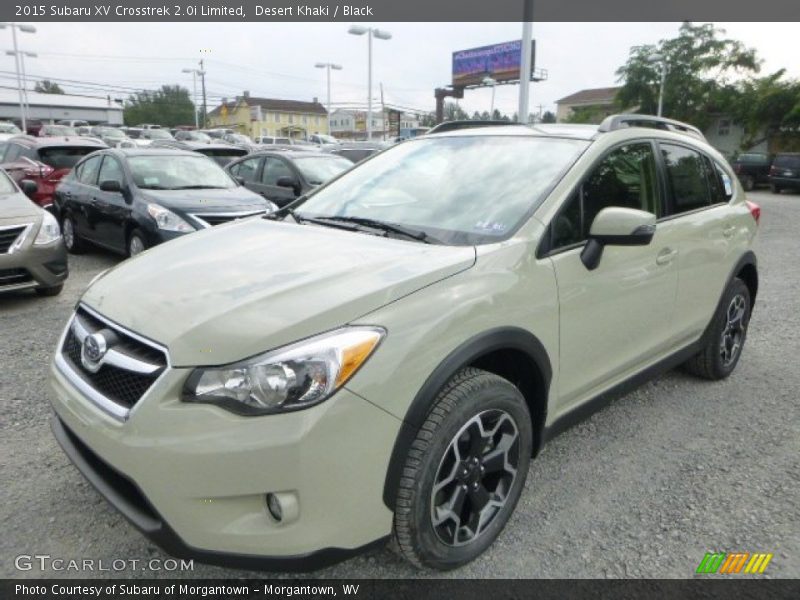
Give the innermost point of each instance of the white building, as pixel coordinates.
(50, 108)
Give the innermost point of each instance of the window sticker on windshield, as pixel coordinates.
(151, 180)
(489, 226)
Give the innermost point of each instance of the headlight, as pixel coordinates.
(168, 220)
(290, 378)
(49, 231)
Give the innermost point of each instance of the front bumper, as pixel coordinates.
(44, 266)
(194, 478)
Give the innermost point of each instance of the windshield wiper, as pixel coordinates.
(414, 234)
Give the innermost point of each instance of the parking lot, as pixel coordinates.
(642, 489)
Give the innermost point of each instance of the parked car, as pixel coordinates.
(111, 136)
(192, 136)
(322, 139)
(44, 161)
(56, 131)
(220, 152)
(217, 132)
(385, 361)
(84, 130)
(269, 139)
(73, 122)
(784, 174)
(283, 176)
(148, 126)
(127, 200)
(752, 169)
(156, 133)
(135, 135)
(32, 254)
(356, 151)
(8, 130)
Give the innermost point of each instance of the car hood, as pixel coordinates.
(237, 290)
(16, 206)
(234, 199)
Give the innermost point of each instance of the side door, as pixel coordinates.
(85, 186)
(111, 210)
(616, 318)
(249, 172)
(698, 210)
(274, 168)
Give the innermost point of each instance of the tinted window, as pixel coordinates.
(88, 172)
(247, 169)
(64, 157)
(687, 172)
(627, 177)
(787, 161)
(274, 168)
(111, 171)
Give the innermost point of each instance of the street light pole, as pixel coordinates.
(194, 96)
(525, 62)
(328, 67)
(660, 59)
(22, 56)
(381, 35)
(17, 59)
(492, 82)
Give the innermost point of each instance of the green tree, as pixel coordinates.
(700, 64)
(453, 112)
(587, 114)
(765, 107)
(548, 117)
(169, 106)
(45, 86)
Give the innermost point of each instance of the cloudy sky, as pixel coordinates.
(277, 60)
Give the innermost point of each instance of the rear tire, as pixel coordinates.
(726, 338)
(50, 291)
(748, 183)
(73, 243)
(464, 472)
(136, 243)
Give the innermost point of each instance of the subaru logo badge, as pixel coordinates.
(94, 349)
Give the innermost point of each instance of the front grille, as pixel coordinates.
(14, 277)
(120, 385)
(219, 219)
(9, 235)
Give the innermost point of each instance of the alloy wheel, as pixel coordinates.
(68, 233)
(136, 246)
(474, 477)
(734, 330)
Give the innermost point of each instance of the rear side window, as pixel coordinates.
(274, 169)
(247, 169)
(88, 172)
(688, 176)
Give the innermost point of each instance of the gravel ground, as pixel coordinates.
(642, 489)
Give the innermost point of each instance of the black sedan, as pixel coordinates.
(282, 176)
(127, 200)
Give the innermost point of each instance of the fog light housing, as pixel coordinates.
(283, 507)
(274, 507)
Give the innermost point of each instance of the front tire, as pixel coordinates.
(726, 338)
(50, 291)
(464, 472)
(136, 243)
(72, 242)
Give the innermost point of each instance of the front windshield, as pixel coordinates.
(178, 172)
(9, 128)
(158, 134)
(319, 169)
(461, 190)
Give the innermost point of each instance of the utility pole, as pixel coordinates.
(19, 81)
(383, 113)
(525, 63)
(203, 84)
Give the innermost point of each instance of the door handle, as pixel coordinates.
(729, 231)
(666, 256)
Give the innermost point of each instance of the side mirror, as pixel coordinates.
(111, 185)
(28, 187)
(616, 226)
(239, 180)
(289, 182)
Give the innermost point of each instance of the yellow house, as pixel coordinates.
(267, 116)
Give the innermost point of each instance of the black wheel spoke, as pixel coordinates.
(479, 497)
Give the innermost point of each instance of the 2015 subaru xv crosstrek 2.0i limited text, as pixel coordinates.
(384, 357)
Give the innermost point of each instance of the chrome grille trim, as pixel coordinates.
(232, 216)
(20, 239)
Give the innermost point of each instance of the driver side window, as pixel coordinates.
(627, 178)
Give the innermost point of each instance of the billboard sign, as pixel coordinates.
(501, 62)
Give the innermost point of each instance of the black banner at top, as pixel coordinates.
(396, 10)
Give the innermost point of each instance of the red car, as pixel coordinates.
(44, 160)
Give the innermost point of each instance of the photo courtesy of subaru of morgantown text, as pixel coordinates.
(399, 300)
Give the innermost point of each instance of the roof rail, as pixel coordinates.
(465, 124)
(615, 122)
